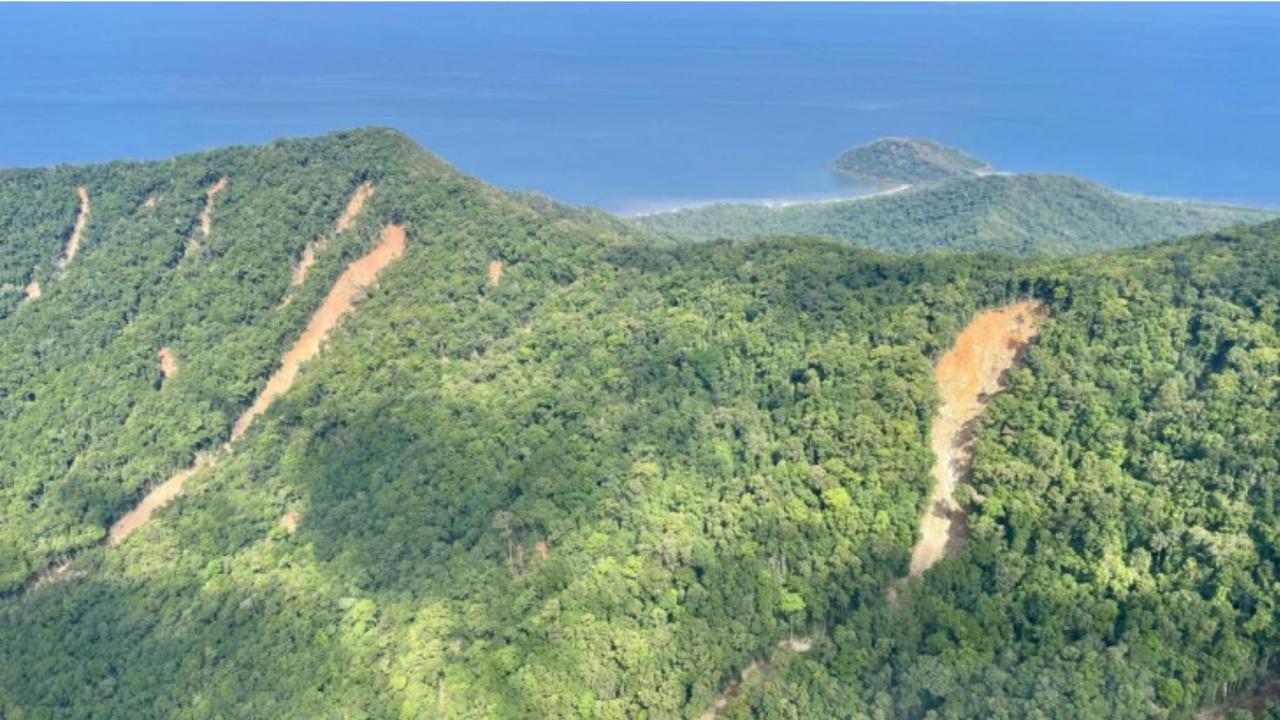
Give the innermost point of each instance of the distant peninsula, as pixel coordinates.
(907, 161)
(933, 197)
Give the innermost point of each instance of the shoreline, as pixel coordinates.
(780, 203)
(769, 203)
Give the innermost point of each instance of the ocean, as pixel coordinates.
(641, 107)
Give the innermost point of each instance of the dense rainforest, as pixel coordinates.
(555, 465)
(1021, 214)
(906, 161)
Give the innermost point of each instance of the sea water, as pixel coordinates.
(637, 108)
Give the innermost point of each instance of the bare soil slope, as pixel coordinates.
(211, 197)
(967, 376)
(206, 217)
(341, 298)
(354, 206)
(77, 233)
(168, 362)
(159, 496)
(348, 217)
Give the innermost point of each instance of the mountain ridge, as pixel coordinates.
(604, 479)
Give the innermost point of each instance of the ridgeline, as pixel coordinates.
(553, 465)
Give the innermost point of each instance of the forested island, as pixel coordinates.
(449, 451)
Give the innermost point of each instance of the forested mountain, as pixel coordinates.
(906, 161)
(548, 465)
(1025, 214)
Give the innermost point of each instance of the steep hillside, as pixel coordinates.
(1028, 215)
(907, 161)
(1124, 517)
(544, 466)
(87, 419)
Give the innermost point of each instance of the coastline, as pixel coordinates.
(780, 203)
(768, 203)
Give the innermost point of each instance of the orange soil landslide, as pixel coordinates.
(348, 218)
(305, 262)
(210, 197)
(354, 206)
(206, 216)
(341, 298)
(159, 496)
(77, 233)
(967, 376)
(309, 258)
(168, 362)
(495, 272)
(33, 290)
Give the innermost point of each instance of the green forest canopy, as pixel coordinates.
(1025, 215)
(602, 486)
(910, 161)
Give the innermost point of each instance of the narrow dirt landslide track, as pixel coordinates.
(305, 262)
(168, 362)
(210, 198)
(290, 521)
(159, 496)
(33, 291)
(348, 218)
(77, 232)
(968, 375)
(341, 298)
(354, 206)
(206, 217)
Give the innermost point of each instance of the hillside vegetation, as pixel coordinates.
(1025, 215)
(601, 481)
(906, 161)
(87, 420)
